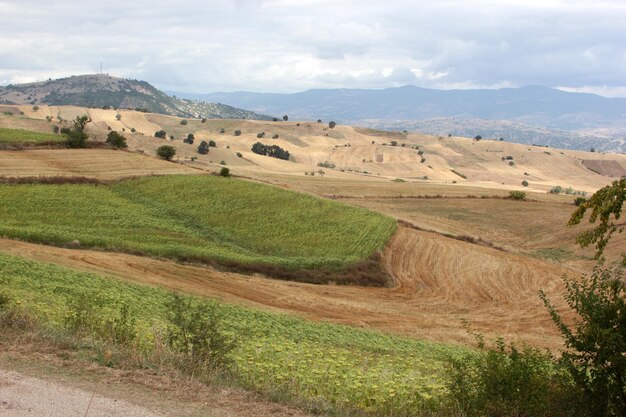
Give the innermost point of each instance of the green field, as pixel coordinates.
(26, 136)
(315, 362)
(199, 218)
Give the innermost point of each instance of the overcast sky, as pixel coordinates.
(294, 45)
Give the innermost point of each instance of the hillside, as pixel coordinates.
(506, 112)
(106, 91)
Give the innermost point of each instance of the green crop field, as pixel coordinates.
(26, 136)
(347, 367)
(201, 218)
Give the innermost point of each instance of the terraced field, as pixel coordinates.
(198, 218)
(27, 136)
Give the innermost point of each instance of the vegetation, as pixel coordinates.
(225, 172)
(116, 140)
(517, 195)
(525, 183)
(190, 139)
(212, 143)
(324, 365)
(26, 136)
(183, 217)
(166, 152)
(75, 135)
(326, 164)
(203, 148)
(273, 151)
(332, 124)
(260, 135)
(161, 134)
(183, 122)
(237, 132)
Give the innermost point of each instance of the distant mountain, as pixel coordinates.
(508, 112)
(103, 90)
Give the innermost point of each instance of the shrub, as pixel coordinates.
(274, 151)
(326, 164)
(275, 136)
(203, 148)
(239, 155)
(116, 140)
(556, 190)
(507, 381)
(224, 172)
(118, 116)
(222, 130)
(274, 119)
(525, 183)
(394, 143)
(517, 195)
(160, 134)
(285, 117)
(204, 120)
(319, 120)
(76, 136)
(183, 122)
(237, 132)
(579, 200)
(332, 125)
(133, 130)
(477, 137)
(189, 139)
(511, 163)
(166, 152)
(260, 135)
(222, 162)
(196, 331)
(35, 108)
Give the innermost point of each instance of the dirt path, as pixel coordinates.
(23, 396)
(441, 283)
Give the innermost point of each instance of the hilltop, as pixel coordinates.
(104, 91)
(528, 115)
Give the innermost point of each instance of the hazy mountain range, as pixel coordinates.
(102, 90)
(532, 114)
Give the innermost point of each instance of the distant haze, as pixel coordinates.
(295, 45)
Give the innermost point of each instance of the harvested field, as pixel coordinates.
(97, 163)
(441, 282)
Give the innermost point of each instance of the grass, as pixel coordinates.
(312, 362)
(26, 136)
(196, 218)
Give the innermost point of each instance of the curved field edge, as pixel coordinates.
(336, 364)
(225, 222)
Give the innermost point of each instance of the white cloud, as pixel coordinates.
(292, 45)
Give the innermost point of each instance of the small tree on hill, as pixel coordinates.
(212, 143)
(76, 136)
(237, 132)
(225, 172)
(116, 140)
(285, 117)
(162, 134)
(332, 125)
(203, 148)
(189, 139)
(166, 152)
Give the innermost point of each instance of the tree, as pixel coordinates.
(116, 140)
(273, 151)
(166, 152)
(319, 120)
(225, 172)
(189, 139)
(203, 148)
(76, 136)
(525, 183)
(332, 125)
(183, 122)
(477, 137)
(237, 132)
(212, 143)
(285, 117)
(160, 134)
(596, 341)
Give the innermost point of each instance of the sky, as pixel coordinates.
(294, 45)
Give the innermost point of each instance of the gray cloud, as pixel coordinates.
(292, 45)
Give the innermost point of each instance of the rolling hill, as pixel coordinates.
(531, 114)
(110, 92)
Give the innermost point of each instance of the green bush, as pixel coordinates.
(203, 148)
(517, 195)
(76, 136)
(183, 122)
(239, 155)
(166, 152)
(116, 140)
(525, 183)
(225, 172)
(162, 134)
(237, 132)
(507, 381)
(196, 331)
(332, 125)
